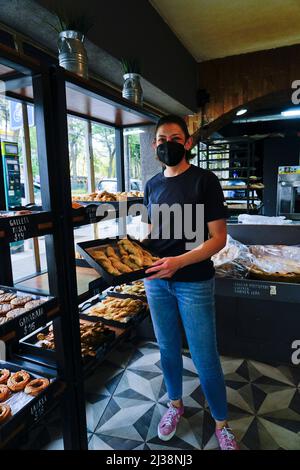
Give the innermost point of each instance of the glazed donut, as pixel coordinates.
(4, 376)
(18, 381)
(36, 386)
(4, 393)
(5, 412)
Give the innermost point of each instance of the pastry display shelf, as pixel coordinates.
(87, 214)
(21, 227)
(35, 408)
(258, 289)
(18, 327)
(42, 358)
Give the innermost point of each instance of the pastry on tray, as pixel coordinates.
(125, 257)
(92, 336)
(136, 288)
(120, 310)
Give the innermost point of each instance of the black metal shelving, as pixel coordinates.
(54, 93)
(236, 156)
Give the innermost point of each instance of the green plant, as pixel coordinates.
(131, 66)
(68, 19)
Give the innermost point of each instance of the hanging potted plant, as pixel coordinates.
(72, 29)
(132, 89)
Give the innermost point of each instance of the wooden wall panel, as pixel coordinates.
(236, 81)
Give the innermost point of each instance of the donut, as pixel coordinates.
(18, 381)
(36, 386)
(4, 393)
(21, 301)
(3, 320)
(4, 376)
(5, 412)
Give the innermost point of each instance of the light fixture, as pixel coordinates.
(291, 112)
(134, 131)
(242, 111)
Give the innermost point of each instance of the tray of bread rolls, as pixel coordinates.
(25, 396)
(118, 260)
(113, 311)
(22, 312)
(95, 338)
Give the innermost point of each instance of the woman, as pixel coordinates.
(180, 286)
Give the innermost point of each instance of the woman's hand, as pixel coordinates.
(164, 267)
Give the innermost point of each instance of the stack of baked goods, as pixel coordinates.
(117, 310)
(135, 288)
(125, 257)
(15, 382)
(279, 263)
(13, 305)
(106, 196)
(92, 335)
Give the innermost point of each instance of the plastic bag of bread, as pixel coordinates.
(234, 260)
(279, 263)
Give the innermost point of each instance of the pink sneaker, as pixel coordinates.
(168, 423)
(226, 439)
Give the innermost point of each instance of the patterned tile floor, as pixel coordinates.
(126, 398)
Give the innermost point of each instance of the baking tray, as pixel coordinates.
(131, 322)
(30, 345)
(27, 409)
(124, 278)
(123, 295)
(21, 326)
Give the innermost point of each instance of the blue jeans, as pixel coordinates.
(193, 303)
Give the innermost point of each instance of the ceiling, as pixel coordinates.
(211, 29)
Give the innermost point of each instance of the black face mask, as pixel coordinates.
(170, 153)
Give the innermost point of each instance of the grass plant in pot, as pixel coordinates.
(72, 28)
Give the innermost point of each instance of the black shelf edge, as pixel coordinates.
(28, 322)
(22, 227)
(258, 289)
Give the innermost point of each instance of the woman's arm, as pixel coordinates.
(166, 267)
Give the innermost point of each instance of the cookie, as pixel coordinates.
(7, 297)
(21, 301)
(4, 309)
(16, 312)
(33, 304)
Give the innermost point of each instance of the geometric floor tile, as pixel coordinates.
(126, 397)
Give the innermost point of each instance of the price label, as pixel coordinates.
(19, 228)
(38, 408)
(29, 322)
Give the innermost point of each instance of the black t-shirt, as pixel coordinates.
(193, 186)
